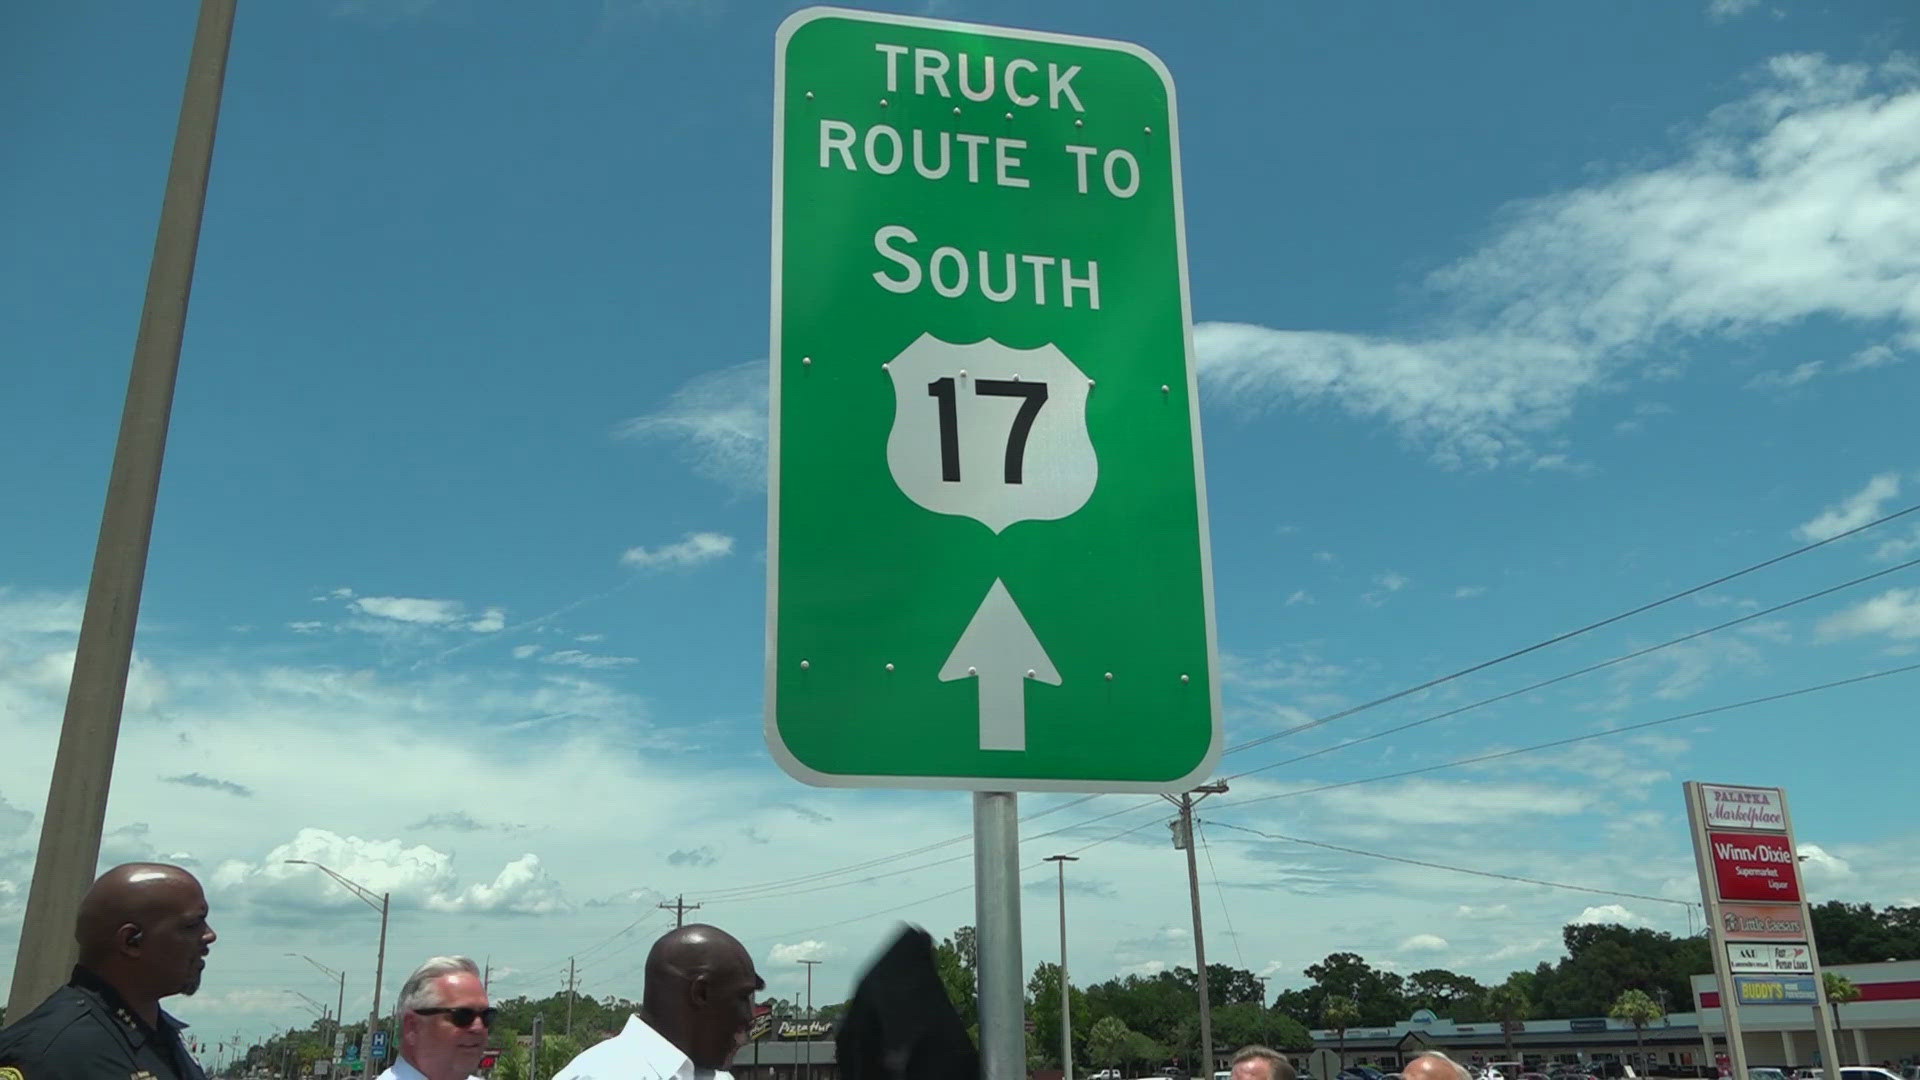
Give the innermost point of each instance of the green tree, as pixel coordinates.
(1243, 1023)
(1043, 1008)
(1107, 1042)
(957, 959)
(1339, 1014)
(1840, 990)
(1636, 1008)
(512, 1064)
(1443, 991)
(1510, 1005)
(1857, 934)
(1379, 995)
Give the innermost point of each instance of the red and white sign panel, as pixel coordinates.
(1763, 922)
(1744, 808)
(1753, 866)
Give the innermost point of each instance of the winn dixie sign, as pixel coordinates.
(1752, 867)
(1744, 808)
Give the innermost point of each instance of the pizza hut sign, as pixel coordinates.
(1754, 867)
(1744, 808)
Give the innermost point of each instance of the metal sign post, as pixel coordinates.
(996, 903)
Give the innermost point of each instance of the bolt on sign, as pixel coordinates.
(988, 560)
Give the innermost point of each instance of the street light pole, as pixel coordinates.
(809, 1052)
(339, 1010)
(1183, 837)
(64, 863)
(1066, 993)
(380, 959)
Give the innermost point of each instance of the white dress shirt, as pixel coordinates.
(403, 1070)
(637, 1053)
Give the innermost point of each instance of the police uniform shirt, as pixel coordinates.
(86, 1032)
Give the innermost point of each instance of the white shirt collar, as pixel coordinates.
(402, 1069)
(637, 1050)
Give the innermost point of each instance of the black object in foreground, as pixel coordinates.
(900, 1024)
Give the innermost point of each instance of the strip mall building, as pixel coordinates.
(1883, 1026)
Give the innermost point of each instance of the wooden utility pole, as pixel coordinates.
(1183, 838)
(679, 907)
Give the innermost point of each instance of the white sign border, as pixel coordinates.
(776, 745)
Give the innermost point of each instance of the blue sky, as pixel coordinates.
(1509, 318)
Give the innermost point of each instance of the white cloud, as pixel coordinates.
(521, 888)
(1788, 378)
(718, 421)
(1607, 913)
(1147, 969)
(576, 658)
(1895, 613)
(1455, 802)
(1855, 510)
(1424, 943)
(522, 652)
(409, 609)
(1801, 200)
(1300, 596)
(1727, 9)
(492, 622)
(1821, 868)
(1385, 585)
(1492, 911)
(800, 950)
(694, 549)
(1468, 592)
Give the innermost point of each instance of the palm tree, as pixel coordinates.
(1840, 990)
(1509, 1004)
(1341, 1013)
(1636, 1008)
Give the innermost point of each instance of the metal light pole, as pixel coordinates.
(1183, 837)
(809, 1050)
(339, 1011)
(380, 959)
(63, 866)
(1066, 993)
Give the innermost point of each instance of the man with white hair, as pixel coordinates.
(444, 1022)
(1434, 1065)
(1260, 1063)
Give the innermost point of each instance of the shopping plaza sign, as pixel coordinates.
(1748, 866)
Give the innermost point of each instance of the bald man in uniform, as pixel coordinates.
(694, 1013)
(143, 936)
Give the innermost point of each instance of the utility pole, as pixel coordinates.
(1066, 993)
(533, 1051)
(1183, 838)
(809, 1052)
(64, 864)
(679, 907)
(569, 997)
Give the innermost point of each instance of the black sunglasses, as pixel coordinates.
(462, 1016)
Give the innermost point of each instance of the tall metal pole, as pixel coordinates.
(996, 904)
(809, 1046)
(90, 731)
(339, 1012)
(379, 974)
(1066, 992)
(1185, 838)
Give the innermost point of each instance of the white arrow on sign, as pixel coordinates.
(999, 649)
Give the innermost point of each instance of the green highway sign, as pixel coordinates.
(988, 561)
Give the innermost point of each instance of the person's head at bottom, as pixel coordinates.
(1260, 1063)
(444, 1017)
(699, 993)
(1434, 1065)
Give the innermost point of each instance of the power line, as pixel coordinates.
(1589, 669)
(1783, 695)
(1388, 776)
(1455, 869)
(1558, 638)
(1201, 832)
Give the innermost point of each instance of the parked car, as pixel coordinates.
(1766, 1074)
(1867, 1072)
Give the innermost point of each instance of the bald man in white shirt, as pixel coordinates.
(694, 1013)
